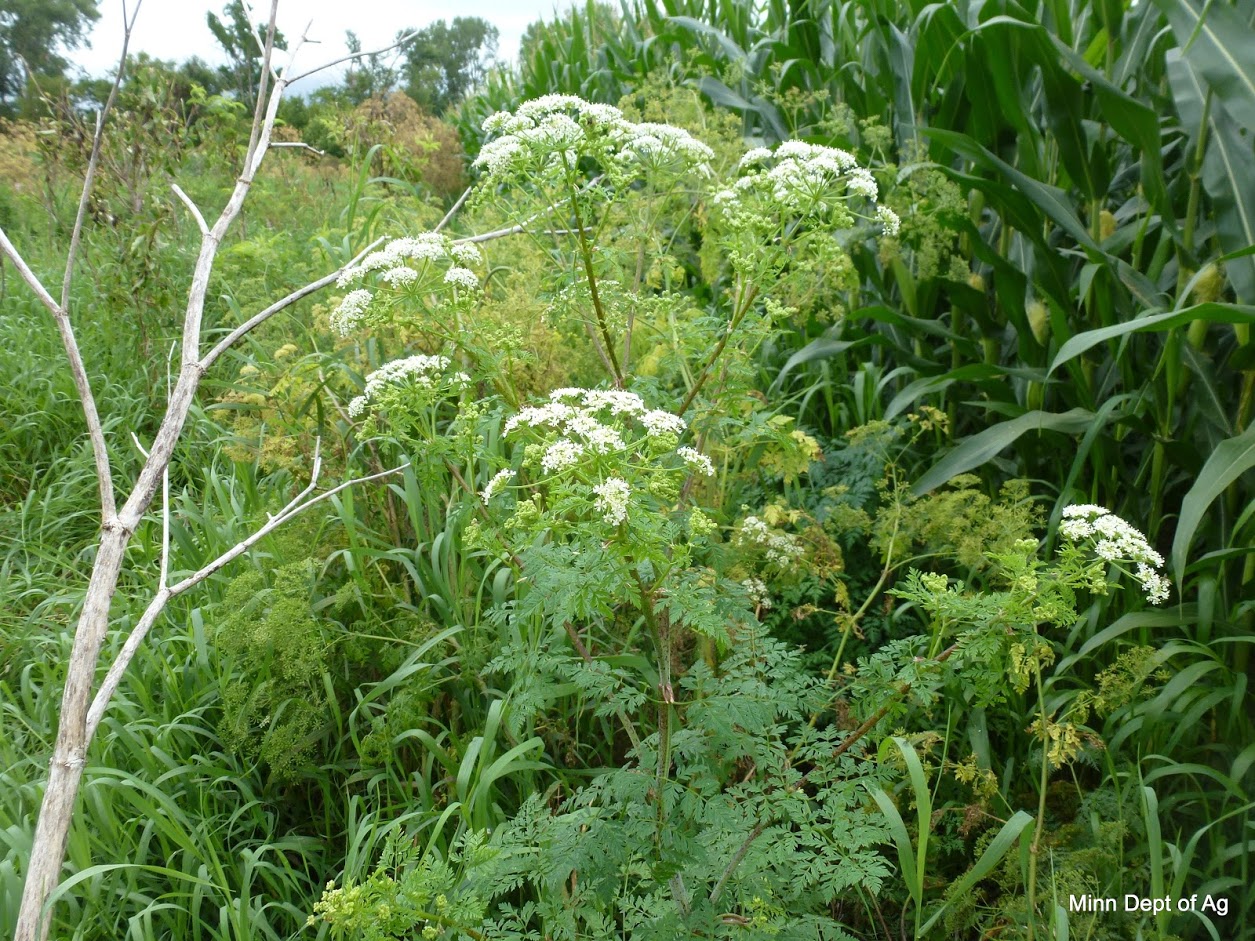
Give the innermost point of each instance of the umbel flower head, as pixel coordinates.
(802, 181)
(1115, 541)
(555, 132)
(407, 381)
(779, 548)
(607, 445)
(419, 264)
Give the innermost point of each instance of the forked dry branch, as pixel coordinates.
(83, 702)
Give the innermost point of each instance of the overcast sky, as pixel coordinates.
(175, 29)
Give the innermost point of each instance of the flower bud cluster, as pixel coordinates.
(1114, 540)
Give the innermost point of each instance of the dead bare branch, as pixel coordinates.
(453, 210)
(356, 55)
(89, 178)
(300, 145)
(522, 226)
(192, 208)
(65, 769)
(95, 431)
(261, 317)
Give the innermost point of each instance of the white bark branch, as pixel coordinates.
(356, 55)
(453, 210)
(522, 226)
(259, 318)
(98, 138)
(192, 208)
(48, 845)
(495, 234)
(81, 710)
(300, 145)
(190, 371)
(95, 431)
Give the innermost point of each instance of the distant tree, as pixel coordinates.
(242, 42)
(203, 74)
(31, 34)
(446, 60)
(372, 76)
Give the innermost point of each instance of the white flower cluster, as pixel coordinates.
(575, 411)
(546, 131)
(799, 179)
(429, 373)
(462, 277)
(401, 263)
(561, 454)
(889, 220)
(612, 500)
(662, 144)
(697, 461)
(781, 548)
(498, 481)
(345, 317)
(399, 276)
(1117, 541)
(757, 590)
(584, 422)
(426, 246)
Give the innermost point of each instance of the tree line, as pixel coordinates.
(436, 66)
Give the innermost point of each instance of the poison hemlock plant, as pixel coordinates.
(636, 580)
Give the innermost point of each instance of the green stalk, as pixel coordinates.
(1245, 399)
(1156, 486)
(858, 615)
(1035, 848)
(1241, 656)
(991, 346)
(586, 256)
(1198, 328)
(662, 645)
(738, 315)
(1191, 210)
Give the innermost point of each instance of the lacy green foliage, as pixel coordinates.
(739, 843)
(282, 663)
(996, 644)
(629, 588)
(408, 896)
(996, 630)
(960, 521)
(275, 704)
(931, 207)
(1064, 232)
(726, 805)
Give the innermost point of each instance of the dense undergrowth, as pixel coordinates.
(806, 646)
